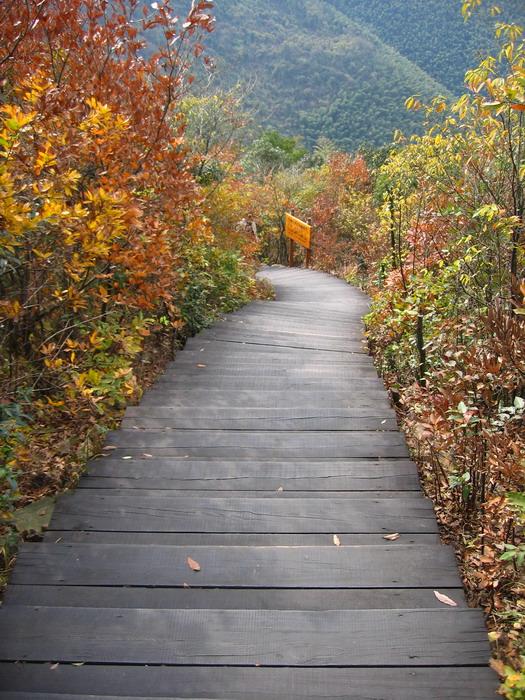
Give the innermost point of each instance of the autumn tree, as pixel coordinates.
(102, 218)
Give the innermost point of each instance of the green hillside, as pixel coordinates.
(432, 33)
(315, 72)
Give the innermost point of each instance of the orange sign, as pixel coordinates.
(298, 231)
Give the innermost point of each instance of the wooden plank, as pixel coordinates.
(263, 369)
(156, 488)
(467, 683)
(164, 418)
(263, 399)
(90, 510)
(228, 598)
(270, 383)
(245, 637)
(358, 566)
(225, 348)
(334, 440)
(393, 475)
(230, 539)
(211, 444)
(282, 339)
(221, 351)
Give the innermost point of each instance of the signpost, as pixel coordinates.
(296, 230)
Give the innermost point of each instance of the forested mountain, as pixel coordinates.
(432, 34)
(315, 72)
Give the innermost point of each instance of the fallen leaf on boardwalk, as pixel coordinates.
(186, 585)
(445, 599)
(201, 365)
(79, 663)
(52, 668)
(110, 447)
(146, 454)
(127, 457)
(392, 537)
(193, 564)
(280, 489)
(337, 541)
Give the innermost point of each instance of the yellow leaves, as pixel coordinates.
(413, 103)
(15, 118)
(45, 159)
(95, 339)
(10, 309)
(54, 403)
(102, 121)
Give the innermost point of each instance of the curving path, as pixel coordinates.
(230, 544)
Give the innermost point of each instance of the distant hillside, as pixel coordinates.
(432, 33)
(315, 71)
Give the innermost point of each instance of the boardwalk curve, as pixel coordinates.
(231, 544)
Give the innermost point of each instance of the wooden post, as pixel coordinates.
(290, 263)
(308, 250)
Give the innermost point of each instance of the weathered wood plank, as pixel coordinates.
(229, 539)
(284, 340)
(245, 637)
(334, 440)
(156, 488)
(255, 383)
(221, 349)
(87, 509)
(366, 475)
(468, 683)
(264, 398)
(228, 598)
(358, 566)
(280, 419)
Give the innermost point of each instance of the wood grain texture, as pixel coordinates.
(356, 476)
(196, 597)
(245, 637)
(91, 510)
(358, 566)
(471, 683)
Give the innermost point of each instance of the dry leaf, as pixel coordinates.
(280, 489)
(445, 599)
(79, 663)
(146, 454)
(110, 447)
(392, 537)
(201, 365)
(337, 541)
(52, 668)
(186, 585)
(127, 457)
(498, 666)
(193, 564)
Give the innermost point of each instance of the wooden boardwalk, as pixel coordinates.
(267, 436)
